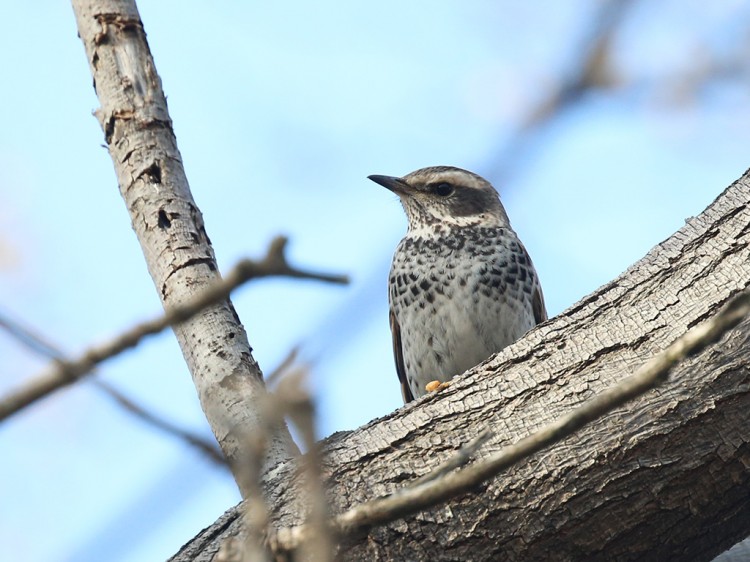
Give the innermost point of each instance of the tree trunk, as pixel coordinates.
(664, 478)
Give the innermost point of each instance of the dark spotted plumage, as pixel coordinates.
(462, 286)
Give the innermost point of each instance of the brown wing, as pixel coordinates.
(537, 298)
(537, 305)
(398, 356)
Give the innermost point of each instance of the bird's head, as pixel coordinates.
(444, 196)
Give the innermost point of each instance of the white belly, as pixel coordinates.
(461, 327)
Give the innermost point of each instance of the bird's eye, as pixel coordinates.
(444, 189)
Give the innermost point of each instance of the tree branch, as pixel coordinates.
(593, 70)
(664, 478)
(66, 371)
(40, 345)
(432, 492)
(276, 264)
(208, 448)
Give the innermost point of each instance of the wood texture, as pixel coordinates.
(664, 478)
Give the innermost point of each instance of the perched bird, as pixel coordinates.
(461, 286)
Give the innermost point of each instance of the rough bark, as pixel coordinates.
(167, 221)
(664, 478)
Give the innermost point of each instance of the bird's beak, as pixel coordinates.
(396, 185)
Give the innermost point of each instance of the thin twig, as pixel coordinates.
(456, 460)
(40, 345)
(283, 367)
(275, 264)
(30, 338)
(290, 399)
(64, 372)
(300, 408)
(593, 70)
(417, 498)
(254, 508)
(205, 446)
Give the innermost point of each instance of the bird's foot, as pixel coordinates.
(435, 386)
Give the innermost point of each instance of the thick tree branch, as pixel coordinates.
(662, 478)
(434, 491)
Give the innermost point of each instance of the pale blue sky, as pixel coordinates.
(281, 110)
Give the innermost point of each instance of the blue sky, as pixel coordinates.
(281, 111)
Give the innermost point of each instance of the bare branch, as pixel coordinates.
(283, 367)
(300, 408)
(433, 492)
(290, 399)
(65, 372)
(593, 70)
(205, 446)
(457, 460)
(40, 345)
(293, 400)
(248, 472)
(31, 339)
(275, 264)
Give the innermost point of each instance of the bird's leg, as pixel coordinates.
(435, 386)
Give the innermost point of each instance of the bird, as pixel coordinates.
(461, 285)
